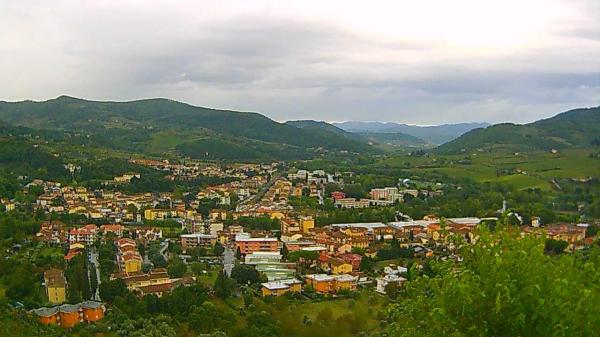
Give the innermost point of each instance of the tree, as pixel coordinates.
(245, 274)
(208, 318)
(218, 249)
(555, 246)
(284, 252)
(223, 285)
(502, 276)
(238, 253)
(111, 289)
(197, 268)
(176, 268)
(366, 264)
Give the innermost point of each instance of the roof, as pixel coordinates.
(367, 225)
(45, 312)
(320, 277)
(91, 305)
(280, 284)
(345, 278)
(68, 308)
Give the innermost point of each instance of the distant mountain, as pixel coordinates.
(574, 128)
(158, 125)
(393, 139)
(438, 134)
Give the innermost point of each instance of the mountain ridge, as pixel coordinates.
(572, 128)
(141, 124)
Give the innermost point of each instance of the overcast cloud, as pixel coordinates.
(423, 62)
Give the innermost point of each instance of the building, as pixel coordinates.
(391, 275)
(248, 245)
(92, 311)
(69, 315)
(128, 257)
(156, 282)
(56, 286)
(157, 214)
(324, 284)
(352, 203)
(117, 230)
(387, 193)
(255, 258)
(52, 232)
(307, 224)
(280, 287)
(85, 234)
(197, 240)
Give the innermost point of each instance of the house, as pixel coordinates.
(307, 224)
(353, 259)
(117, 230)
(52, 232)
(248, 245)
(69, 315)
(156, 282)
(262, 257)
(56, 286)
(280, 287)
(85, 234)
(157, 214)
(197, 240)
(324, 284)
(391, 275)
(337, 266)
(128, 257)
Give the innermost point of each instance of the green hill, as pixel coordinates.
(155, 126)
(575, 128)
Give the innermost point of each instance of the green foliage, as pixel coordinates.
(506, 286)
(176, 267)
(259, 223)
(111, 289)
(555, 246)
(245, 274)
(208, 318)
(77, 279)
(223, 285)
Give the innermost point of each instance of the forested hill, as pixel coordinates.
(147, 125)
(574, 128)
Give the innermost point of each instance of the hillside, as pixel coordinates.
(159, 125)
(574, 128)
(436, 134)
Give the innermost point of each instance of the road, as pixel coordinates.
(263, 190)
(228, 260)
(93, 258)
(163, 250)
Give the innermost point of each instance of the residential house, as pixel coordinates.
(280, 287)
(56, 286)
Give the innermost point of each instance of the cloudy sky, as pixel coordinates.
(422, 62)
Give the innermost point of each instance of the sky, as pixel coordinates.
(419, 62)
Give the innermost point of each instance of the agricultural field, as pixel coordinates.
(519, 170)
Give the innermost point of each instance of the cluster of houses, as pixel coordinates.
(339, 248)
(56, 232)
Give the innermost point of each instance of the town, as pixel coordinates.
(255, 229)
